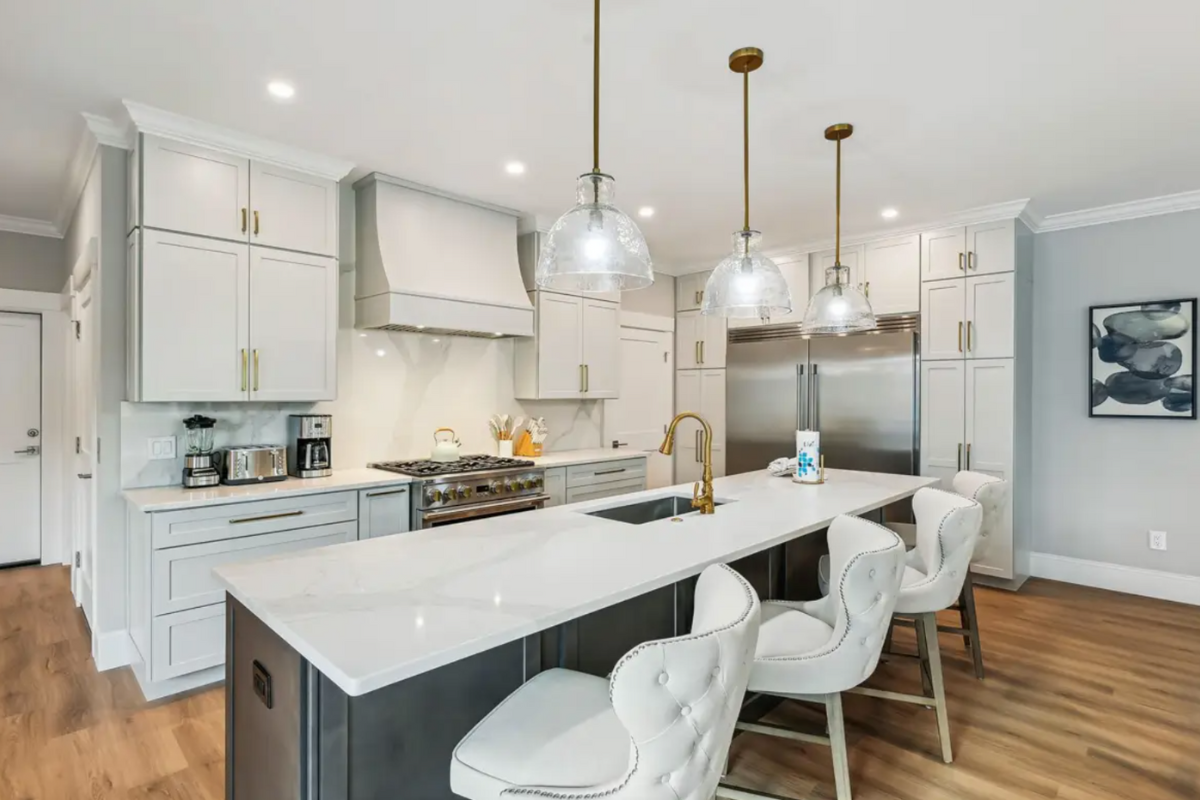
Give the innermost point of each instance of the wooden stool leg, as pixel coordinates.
(971, 623)
(930, 634)
(837, 743)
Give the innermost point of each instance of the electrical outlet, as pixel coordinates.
(162, 447)
(1158, 540)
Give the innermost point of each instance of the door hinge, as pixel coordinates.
(78, 560)
(78, 446)
(78, 330)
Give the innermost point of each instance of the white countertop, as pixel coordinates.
(172, 498)
(369, 614)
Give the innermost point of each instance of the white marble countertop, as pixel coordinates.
(173, 498)
(568, 458)
(369, 614)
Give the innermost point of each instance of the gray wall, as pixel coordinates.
(1101, 484)
(31, 263)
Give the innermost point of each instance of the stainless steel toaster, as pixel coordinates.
(253, 463)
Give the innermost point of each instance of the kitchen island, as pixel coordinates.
(353, 670)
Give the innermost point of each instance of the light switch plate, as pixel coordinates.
(1158, 540)
(162, 447)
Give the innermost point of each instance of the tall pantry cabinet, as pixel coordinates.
(699, 379)
(233, 277)
(977, 372)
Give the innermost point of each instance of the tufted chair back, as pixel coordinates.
(992, 495)
(866, 567)
(679, 698)
(947, 530)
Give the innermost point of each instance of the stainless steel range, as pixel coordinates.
(446, 492)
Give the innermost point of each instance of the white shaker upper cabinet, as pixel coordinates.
(943, 323)
(944, 254)
(194, 190)
(852, 258)
(293, 210)
(991, 247)
(942, 419)
(559, 345)
(990, 314)
(689, 290)
(892, 275)
(601, 349)
(194, 318)
(795, 273)
(689, 333)
(293, 326)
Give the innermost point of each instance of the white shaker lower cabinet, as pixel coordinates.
(943, 419)
(383, 512)
(293, 326)
(605, 479)
(556, 486)
(701, 391)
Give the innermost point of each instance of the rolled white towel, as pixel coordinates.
(782, 467)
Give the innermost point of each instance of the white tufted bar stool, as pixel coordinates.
(947, 529)
(658, 729)
(815, 651)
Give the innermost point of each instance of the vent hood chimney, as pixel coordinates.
(428, 261)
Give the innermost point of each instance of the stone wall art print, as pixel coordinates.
(1143, 360)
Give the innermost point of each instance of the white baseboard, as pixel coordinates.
(1117, 578)
(111, 650)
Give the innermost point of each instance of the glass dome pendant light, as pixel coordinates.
(838, 307)
(746, 284)
(594, 247)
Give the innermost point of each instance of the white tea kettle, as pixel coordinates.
(445, 445)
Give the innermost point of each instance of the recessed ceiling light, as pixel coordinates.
(646, 212)
(281, 90)
(497, 334)
(514, 168)
(889, 213)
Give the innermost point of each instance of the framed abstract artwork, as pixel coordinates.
(1143, 360)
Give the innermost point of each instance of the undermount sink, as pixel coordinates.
(649, 510)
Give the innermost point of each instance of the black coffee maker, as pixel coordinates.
(310, 454)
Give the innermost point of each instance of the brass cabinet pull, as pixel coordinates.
(970, 325)
(587, 378)
(701, 352)
(867, 287)
(696, 297)
(243, 220)
(960, 262)
(256, 369)
(968, 455)
(960, 332)
(971, 259)
(385, 494)
(244, 520)
(960, 455)
(256, 222)
(581, 389)
(244, 367)
(697, 352)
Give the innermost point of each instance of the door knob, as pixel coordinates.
(32, 450)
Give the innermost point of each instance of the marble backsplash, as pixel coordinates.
(394, 389)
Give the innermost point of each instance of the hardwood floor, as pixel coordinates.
(1090, 695)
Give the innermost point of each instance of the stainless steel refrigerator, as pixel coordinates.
(861, 392)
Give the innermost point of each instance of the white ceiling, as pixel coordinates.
(956, 104)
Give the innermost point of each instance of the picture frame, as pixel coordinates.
(1142, 360)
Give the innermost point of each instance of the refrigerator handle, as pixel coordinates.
(814, 398)
(801, 399)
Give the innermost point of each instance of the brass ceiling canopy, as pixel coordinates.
(835, 133)
(746, 59)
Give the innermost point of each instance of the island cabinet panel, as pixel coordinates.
(595, 643)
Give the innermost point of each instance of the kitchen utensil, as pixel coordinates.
(445, 445)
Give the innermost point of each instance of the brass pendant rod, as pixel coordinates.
(596, 94)
(837, 247)
(746, 144)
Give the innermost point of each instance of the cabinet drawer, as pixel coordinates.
(596, 492)
(606, 472)
(187, 642)
(214, 523)
(556, 486)
(182, 577)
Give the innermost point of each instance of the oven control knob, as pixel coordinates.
(432, 496)
(495, 487)
(528, 483)
(514, 486)
(538, 482)
(464, 492)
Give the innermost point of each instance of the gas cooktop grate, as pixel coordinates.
(425, 468)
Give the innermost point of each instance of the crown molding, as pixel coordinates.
(1150, 207)
(190, 131)
(109, 133)
(30, 227)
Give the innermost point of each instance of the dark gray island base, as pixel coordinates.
(291, 733)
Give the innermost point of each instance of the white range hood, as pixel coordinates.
(427, 261)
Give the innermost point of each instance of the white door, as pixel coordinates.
(989, 417)
(638, 419)
(989, 315)
(689, 333)
(942, 419)
(293, 326)
(601, 349)
(195, 318)
(560, 346)
(943, 254)
(195, 190)
(851, 259)
(84, 403)
(943, 327)
(892, 273)
(20, 438)
(293, 210)
(991, 247)
(712, 408)
(713, 341)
